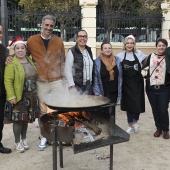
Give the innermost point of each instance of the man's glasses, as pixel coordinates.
(82, 36)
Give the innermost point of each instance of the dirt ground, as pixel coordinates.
(142, 152)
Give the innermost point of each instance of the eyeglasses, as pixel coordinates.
(130, 43)
(82, 36)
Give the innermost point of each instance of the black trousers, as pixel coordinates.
(2, 105)
(159, 101)
(113, 97)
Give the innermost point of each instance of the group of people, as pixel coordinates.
(35, 69)
(39, 67)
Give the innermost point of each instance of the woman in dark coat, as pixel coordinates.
(158, 88)
(108, 75)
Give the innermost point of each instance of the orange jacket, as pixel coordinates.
(49, 62)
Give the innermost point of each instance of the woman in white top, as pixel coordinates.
(158, 88)
(133, 100)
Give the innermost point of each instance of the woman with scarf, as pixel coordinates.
(133, 99)
(108, 75)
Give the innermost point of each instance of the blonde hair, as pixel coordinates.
(124, 43)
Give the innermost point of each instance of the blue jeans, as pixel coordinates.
(159, 101)
(131, 117)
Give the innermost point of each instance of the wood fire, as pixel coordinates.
(78, 118)
(88, 126)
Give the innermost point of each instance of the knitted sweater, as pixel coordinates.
(50, 61)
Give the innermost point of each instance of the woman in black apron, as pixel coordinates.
(133, 100)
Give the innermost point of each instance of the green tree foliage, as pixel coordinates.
(65, 11)
(47, 5)
(118, 6)
(149, 6)
(12, 2)
(112, 10)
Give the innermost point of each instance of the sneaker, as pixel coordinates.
(136, 128)
(25, 144)
(36, 123)
(19, 147)
(130, 130)
(43, 144)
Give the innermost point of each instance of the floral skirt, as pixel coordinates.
(27, 109)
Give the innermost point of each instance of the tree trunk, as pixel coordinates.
(62, 31)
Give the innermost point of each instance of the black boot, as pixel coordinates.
(3, 149)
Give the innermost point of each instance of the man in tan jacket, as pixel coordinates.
(47, 51)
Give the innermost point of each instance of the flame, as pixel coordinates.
(77, 125)
(64, 117)
(76, 115)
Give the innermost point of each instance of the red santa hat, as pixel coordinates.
(131, 37)
(17, 40)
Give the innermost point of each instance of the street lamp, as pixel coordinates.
(4, 21)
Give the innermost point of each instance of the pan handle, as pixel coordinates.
(110, 105)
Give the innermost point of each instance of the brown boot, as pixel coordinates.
(157, 133)
(166, 134)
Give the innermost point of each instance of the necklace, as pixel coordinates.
(159, 56)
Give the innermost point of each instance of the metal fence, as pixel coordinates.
(115, 26)
(26, 23)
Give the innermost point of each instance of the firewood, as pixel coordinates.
(89, 123)
(92, 125)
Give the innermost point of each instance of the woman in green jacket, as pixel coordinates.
(20, 84)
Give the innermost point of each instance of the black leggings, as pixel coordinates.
(20, 131)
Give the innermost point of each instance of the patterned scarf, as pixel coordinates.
(110, 63)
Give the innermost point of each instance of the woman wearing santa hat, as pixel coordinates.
(133, 100)
(20, 84)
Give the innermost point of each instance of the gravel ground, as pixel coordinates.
(142, 152)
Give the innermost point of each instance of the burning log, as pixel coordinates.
(79, 116)
(92, 125)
